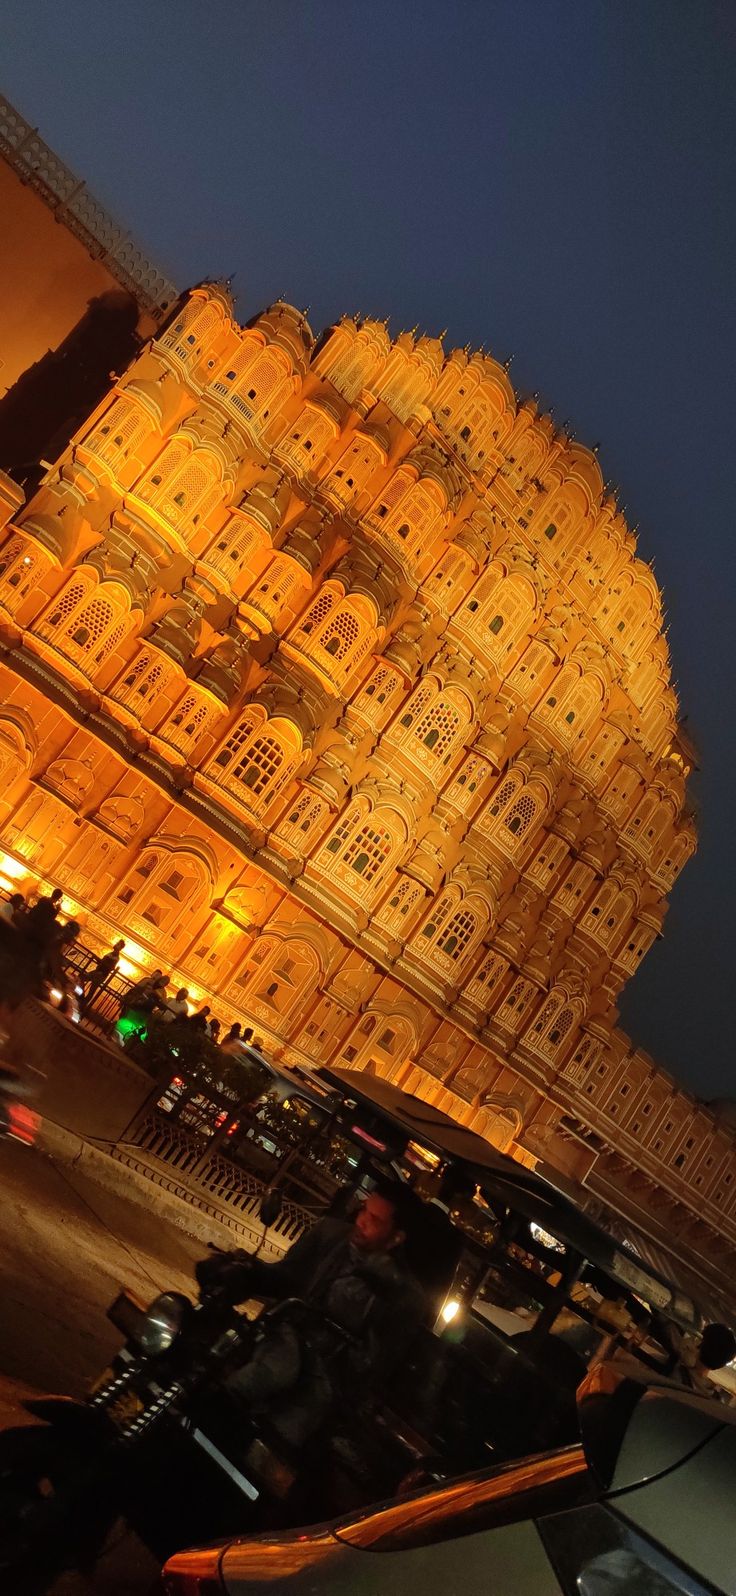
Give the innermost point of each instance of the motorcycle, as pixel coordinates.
(161, 1443)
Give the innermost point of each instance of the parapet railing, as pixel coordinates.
(71, 202)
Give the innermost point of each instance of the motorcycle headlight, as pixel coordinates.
(163, 1321)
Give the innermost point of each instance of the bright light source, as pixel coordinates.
(56, 994)
(544, 1238)
(450, 1310)
(12, 868)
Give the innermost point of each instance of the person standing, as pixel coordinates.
(13, 910)
(102, 970)
(232, 1043)
(177, 1008)
(145, 995)
(200, 1021)
(40, 922)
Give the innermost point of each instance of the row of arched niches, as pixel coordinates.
(382, 613)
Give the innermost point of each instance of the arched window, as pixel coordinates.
(583, 1060)
(9, 554)
(362, 846)
(456, 937)
(487, 979)
(366, 851)
(195, 328)
(557, 520)
(14, 756)
(449, 580)
(336, 633)
(257, 759)
(524, 459)
(282, 586)
(521, 815)
(378, 696)
(251, 382)
(597, 759)
(497, 611)
(354, 469)
(466, 787)
(574, 888)
(326, 601)
(397, 913)
(192, 717)
(439, 913)
(304, 822)
(503, 795)
(676, 854)
(182, 486)
(307, 439)
(572, 704)
(143, 680)
(420, 698)
(111, 641)
(260, 381)
(118, 432)
(616, 798)
(451, 931)
(259, 768)
(20, 567)
(407, 512)
(560, 1028)
(545, 863)
(513, 1009)
(637, 944)
(182, 502)
(553, 1025)
(234, 546)
(90, 625)
(533, 665)
(158, 478)
(440, 728)
(63, 606)
(340, 634)
(647, 823)
(87, 624)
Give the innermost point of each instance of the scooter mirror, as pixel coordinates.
(270, 1207)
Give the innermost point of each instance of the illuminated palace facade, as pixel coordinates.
(331, 678)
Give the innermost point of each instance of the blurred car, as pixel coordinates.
(643, 1506)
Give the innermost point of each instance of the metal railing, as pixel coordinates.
(228, 1186)
(71, 202)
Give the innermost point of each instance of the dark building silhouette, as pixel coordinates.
(45, 406)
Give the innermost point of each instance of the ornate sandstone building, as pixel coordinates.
(330, 674)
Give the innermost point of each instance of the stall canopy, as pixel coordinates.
(625, 1260)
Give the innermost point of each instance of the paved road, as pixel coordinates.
(66, 1246)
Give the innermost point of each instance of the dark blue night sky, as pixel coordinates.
(555, 179)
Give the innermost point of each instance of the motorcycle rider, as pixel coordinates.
(370, 1308)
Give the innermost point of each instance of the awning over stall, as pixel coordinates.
(623, 1255)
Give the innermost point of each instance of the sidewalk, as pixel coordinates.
(148, 1182)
